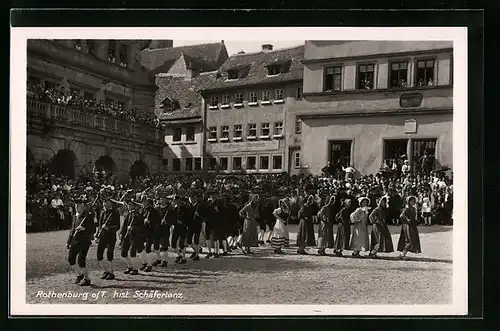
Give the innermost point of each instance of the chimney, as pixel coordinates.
(267, 47)
(241, 52)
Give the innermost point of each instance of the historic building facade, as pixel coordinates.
(245, 104)
(369, 101)
(103, 70)
(180, 73)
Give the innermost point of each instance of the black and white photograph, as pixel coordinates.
(230, 171)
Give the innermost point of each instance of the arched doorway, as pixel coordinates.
(105, 162)
(139, 169)
(63, 163)
(30, 160)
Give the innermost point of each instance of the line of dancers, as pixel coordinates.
(149, 229)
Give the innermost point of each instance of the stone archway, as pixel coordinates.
(63, 163)
(105, 162)
(139, 169)
(30, 160)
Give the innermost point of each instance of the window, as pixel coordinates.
(251, 162)
(177, 134)
(177, 164)
(252, 97)
(237, 163)
(399, 74)
(190, 133)
(111, 51)
(279, 94)
(212, 133)
(74, 90)
(77, 45)
(264, 162)
(277, 162)
(365, 76)
(252, 130)
(164, 162)
(123, 55)
(264, 129)
(189, 164)
(197, 163)
(226, 99)
(296, 160)
(299, 93)
(278, 128)
(425, 73)
(238, 131)
(266, 95)
(224, 132)
(214, 101)
(274, 70)
(333, 79)
(88, 95)
(223, 163)
(298, 125)
(232, 74)
(212, 163)
(340, 152)
(238, 98)
(394, 149)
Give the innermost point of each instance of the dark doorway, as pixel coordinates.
(63, 163)
(30, 160)
(105, 162)
(139, 169)
(419, 148)
(395, 148)
(340, 152)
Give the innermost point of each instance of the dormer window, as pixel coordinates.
(232, 74)
(169, 105)
(278, 68)
(273, 70)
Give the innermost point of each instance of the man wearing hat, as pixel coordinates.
(109, 223)
(80, 238)
(151, 226)
(162, 233)
(132, 238)
(179, 233)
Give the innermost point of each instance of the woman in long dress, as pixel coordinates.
(359, 239)
(381, 240)
(250, 212)
(409, 240)
(325, 232)
(343, 220)
(281, 236)
(305, 235)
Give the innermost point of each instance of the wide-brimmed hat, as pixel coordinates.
(361, 199)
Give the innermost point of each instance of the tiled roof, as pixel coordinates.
(258, 70)
(183, 91)
(207, 54)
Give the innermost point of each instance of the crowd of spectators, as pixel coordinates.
(50, 196)
(59, 95)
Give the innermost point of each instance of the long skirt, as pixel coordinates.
(381, 239)
(409, 239)
(250, 235)
(325, 235)
(359, 240)
(343, 236)
(305, 235)
(281, 237)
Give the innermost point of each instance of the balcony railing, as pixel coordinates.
(77, 117)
